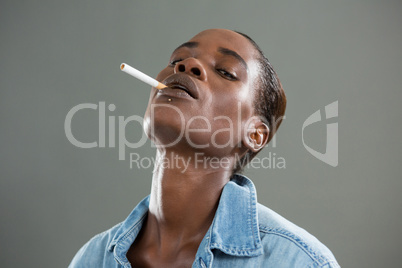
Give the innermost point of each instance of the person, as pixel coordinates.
(222, 104)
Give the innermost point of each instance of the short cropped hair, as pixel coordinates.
(269, 100)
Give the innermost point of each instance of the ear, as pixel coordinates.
(256, 135)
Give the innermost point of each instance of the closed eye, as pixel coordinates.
(227, 74)
(174, 62)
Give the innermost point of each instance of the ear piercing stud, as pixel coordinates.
(169, 100)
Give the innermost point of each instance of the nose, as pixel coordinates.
(191, 66)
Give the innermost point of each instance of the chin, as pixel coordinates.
(163, 133)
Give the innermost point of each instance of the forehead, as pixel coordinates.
(222, 38)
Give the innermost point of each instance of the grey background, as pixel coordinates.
(57, 54)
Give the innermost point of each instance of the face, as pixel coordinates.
(209, 97)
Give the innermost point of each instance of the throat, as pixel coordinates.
(183, 205)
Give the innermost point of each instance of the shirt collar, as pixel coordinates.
(234, 229)
(131, 226)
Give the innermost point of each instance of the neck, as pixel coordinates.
(184, 197)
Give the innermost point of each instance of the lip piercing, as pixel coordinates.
(169, 100)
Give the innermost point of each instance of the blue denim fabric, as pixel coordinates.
(242, 234)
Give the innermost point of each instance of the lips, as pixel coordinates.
(182, 82)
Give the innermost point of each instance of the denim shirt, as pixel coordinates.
(243, 233)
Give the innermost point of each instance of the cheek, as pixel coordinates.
(225, 132)
(164, 73)
(230, 115)
(233, 105)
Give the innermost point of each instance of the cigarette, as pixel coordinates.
(141, 76)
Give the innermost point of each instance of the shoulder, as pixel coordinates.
(100, 250)
(281, 237)
(95, 252)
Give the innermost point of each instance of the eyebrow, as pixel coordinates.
(188, 45)
(232, 53)
(222, 50)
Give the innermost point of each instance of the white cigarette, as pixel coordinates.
(141, 76)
